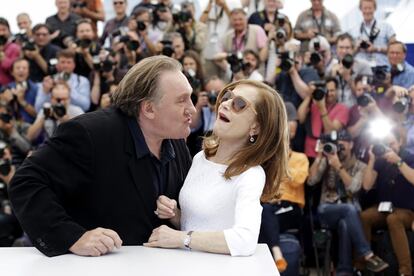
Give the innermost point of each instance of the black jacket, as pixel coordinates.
(88, 176)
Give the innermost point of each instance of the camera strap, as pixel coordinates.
(373, 34)
(342, 83)
(321, 23)
(217, 16)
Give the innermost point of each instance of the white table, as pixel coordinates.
(135, 261)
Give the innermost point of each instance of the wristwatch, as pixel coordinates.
(187, 240)
(399, 163)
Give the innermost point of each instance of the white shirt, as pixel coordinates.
(210, 203)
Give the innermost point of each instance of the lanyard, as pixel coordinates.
(238, 46)
(371, 34)
(217, 16)
(319, 25)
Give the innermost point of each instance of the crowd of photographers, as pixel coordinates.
(349, 96)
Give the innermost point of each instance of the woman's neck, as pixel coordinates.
(225, 152)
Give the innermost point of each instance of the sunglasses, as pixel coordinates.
(238, 103)
(118, 3)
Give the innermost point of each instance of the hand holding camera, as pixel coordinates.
(391, 157)
(54, 111)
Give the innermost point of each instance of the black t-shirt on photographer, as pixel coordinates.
(48, 52)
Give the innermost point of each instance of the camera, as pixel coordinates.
(5, 164)
(62, 76)
(379, 74)
(167, 48)
(330, 143)
(286, 61)
(281, 34)
(192, 79)
(3, 40)
(51, 68)
(84, 43)
(212, 97)
(132, 45)
(281, 20)
(401, 104)
(237, 64)
(54, 111)
(379, 149)
(6, 117)
(182, 17)
(141, 26)
(348, 61)
(320, 90)
(364, 44)
(364, 100)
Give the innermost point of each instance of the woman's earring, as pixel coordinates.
(252, 139)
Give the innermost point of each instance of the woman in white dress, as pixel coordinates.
(246, 155)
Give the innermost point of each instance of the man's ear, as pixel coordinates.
(147, 110)
(254, 129)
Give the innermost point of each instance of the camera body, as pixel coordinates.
(54, 111)
(237, 64)
(348, 61)
(167, 48)
(192, 79)
(286, 61)
(79, 4)
(330, 143)
(320, 90)
(379, 149)
(141, 26)
(6, 117)
(364, 99)
(182, 17)
(402, 104)
(364, 44)
(3, 40)
(5, 164)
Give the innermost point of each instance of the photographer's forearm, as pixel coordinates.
(329, 125)
(300, 86)
(20, 142)
(96, 89)
(41, 63)
(35, 129)
(346, 178)
(407, 172)
(355, 130)
(303, 110)
(369, 177)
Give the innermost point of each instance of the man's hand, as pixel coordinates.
(391, 157)
(166, 207)
(96, 242)
(166, 237)
(333, 161)
(7, 95)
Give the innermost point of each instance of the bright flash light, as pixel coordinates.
(380, 128)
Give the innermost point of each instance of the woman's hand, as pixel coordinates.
(166, 237)
(166, 207)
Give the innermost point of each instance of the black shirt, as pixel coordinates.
(67, 27)
(159, 167)
(48, 52)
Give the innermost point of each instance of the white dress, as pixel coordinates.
(208, 202)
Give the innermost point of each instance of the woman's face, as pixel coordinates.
(189, 64)
(237, 126)
(251, 59)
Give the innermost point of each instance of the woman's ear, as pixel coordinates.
(254, 129)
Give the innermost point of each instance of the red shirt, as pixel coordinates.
(335, 112)
(11, 53)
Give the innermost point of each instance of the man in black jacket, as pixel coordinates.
(94, 185)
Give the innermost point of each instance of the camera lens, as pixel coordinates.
(318, 94)
(363, 100)
(315, 58)
(330, 148)
(348, 61)
(379, 150)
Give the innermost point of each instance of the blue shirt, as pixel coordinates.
(29, 97)
(405, 78)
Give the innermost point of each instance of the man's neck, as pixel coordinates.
(317, 12)
(63, 15)
(152, 140)
(120, 16)
(368, 22)
(271, 15)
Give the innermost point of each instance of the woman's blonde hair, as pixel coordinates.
(271, 147)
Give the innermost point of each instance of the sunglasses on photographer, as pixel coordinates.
(238, 103)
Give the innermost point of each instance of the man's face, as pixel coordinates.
(42, 37)
(368, 10)
(66, 65)
(173, 111)
(4, 31)
(20, 71)
(396, 54)
(238, 21)
(60, 94)
(344, 47)
(178, 46)
(119, 6)
(271, 5)
(23, 22)
(84, 31)
(317, 4)
(63, 5)
(331, 96)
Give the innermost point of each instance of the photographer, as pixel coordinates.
(63, 23)
(269, 18)
(25, 24)
(14, 133)
(147, 36)
(322, 113)
(205, 116)
(402, 73)
(53, 113)
(390, 176)
(9, 225)
(194, 32)
(79, 85)
(341, 174)
(89, 9)
(120, 20)
(20, 94)
(9, 52)
(42, 52)
(365, 109)
(345, 68)
(193, 70)
(319, 55)
(372, 35)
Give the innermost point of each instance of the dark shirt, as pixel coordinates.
(284, 84)
(260, 18)
(67, 27)
(159, 167)
(112, 25)
(48, 52)
(392, 186)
